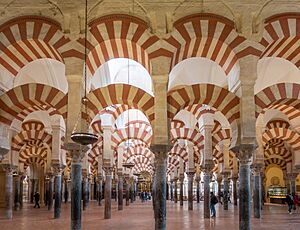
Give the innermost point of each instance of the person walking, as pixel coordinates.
(290, 202)
(213, 202)
(295, 201)
(36, 200)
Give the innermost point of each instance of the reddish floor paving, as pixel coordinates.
(139, 216)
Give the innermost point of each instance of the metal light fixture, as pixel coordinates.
(128, 165)
(84, 138)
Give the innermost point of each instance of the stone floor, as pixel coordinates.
(139, 216)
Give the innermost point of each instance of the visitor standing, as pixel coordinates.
(36, 200)
(213, 202)
(290, 202)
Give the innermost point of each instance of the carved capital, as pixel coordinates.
(244, 152)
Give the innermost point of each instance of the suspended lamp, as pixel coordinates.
(84, 137)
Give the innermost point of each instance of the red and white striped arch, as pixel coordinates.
(25, 137)
(206, 35)
(278, 151)
(34, 160)
(274, 143)
(33, 151)
(27, 38)
(275, 161)
(281, 37)
(120, 94)
(18, 102)
(172, 163)
(283, 96)
(219, 98)
(32, 125)
(138, 151)
(187, 134)
(278, 124)
(175, 124)
(140, 124)
(119, 36)
(96, 151)
(121, 135)
(290, 136)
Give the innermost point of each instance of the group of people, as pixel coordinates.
(292, 202)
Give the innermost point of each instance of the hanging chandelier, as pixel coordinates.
(84, 137)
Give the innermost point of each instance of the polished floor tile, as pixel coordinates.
(139, 216)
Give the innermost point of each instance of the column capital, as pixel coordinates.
(108, 170)
(244, 152)
(234, 178)
(181, 177)
(226, 175)
(57, 168)
(292, 176)
(8, 168)
(257, 168)
(197, 179)
(160, 150)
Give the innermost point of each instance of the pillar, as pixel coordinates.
(127, 186)
(76, 187)
(21, 190)
(219, 181)
(66, 191)
(244, 153)
(160, 191)
(293, 177)
(51, 185)
(8, 190)
(131, 190)
(100, 185)
(175, 191)
(32, 186)
(172, 190)
(85, 191)
(120, 191)
(167, 192)
(257, 190)
(17, 192)
(107, 192)
(198, 188)
(234, 190)
(226, 189)
(181, 179)
(190, 189)
(206, 179)
(57, 188)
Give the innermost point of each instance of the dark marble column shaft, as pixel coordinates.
(76, 193)
(100, 192)
(172, 190)
(85, 192)
(190, 190)
(181, 179)
(107, 195)
(160, 191)
(257, 192)
(234, 188)
(51, 187)
(175, 191)
(21, 190)
(198, 189)
(32, 186)
(226, 190)
(120, 191)
(9, 201)
(131, 190)
(206, 207)
(127, 186)
(57, 195)
(17, 193)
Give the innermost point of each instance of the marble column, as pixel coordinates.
(167, 192)
(57, 189)
(172, 190)
(226, 189)
(100, 181)
(85, 191)
(160, 191)
(181, 179)
(244, 153)
(8, 190)
(17, 193)
(32, 186)
(293, 183)
(76, 189)
(21, 190)
(120, 191)
(190, 189)
(219, 181)
(127, 186)
(66, 190)
(198, 188)
(257, 190)
(46, 191)
(51, 186)
(131, 190)
(116, 189)
(206, 179)
(263, 192)
(234, 190)
(175, 191)
(107, 192)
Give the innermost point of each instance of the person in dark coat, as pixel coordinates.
(36, 200)
(213, 202)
